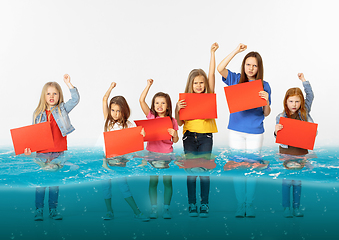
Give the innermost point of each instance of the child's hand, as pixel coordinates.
(214, 47)
(143, 133)
(27, 151)
(149, 82)
(181, 104)
(67, 79)
(113, 84)
(143, 163)
(278, 127)
(172, 132)
(264, 95)
(241, 47)
(301, 77)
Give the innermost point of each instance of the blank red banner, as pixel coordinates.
(297, 133)
(123, 141)
(198, 106)
(156, 129)
(37, 137)
(244, 96)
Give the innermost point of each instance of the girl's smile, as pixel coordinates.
(52, 97)
(160, 106)
(293, 104)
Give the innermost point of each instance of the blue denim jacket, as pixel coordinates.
(308, 104)
(63, 121)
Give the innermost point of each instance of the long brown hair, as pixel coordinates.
(125, 113)
(168, 101)
(42, 106)
(296, 92)
(193, 74)
(260, 73)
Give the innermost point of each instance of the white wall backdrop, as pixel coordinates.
(98, 42)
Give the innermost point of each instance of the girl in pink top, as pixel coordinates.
(161, 107)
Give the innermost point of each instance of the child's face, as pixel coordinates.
(294, 165)
(251, 68)
(160, 164)
(160, 105)
(52, 96)
(199, 84)
(293, 104)
(51, 167)
(116, 112)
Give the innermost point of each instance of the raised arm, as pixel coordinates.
(75, 97)
(211, 72)
(308, 90)
(105, 107)
(67, 80)
(223, 64)
(145, 108)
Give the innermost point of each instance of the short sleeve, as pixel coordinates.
(175, 124)
(131, 124)
(150, 115)
(232, 78)
(267, 89)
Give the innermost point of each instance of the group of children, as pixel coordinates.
(245, 134)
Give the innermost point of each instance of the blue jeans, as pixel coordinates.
(286, 186)
(198, 143)
(53, 191)
(192, 189)
(40, 197)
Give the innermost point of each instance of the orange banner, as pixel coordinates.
(123, 141)
(37, 137)
(198, 106)
(244, 96)
(156, 129)
(297, 133)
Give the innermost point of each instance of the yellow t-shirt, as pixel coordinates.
(200, 126)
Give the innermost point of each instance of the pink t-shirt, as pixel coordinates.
(162, 146)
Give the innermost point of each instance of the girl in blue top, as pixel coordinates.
(246, 127)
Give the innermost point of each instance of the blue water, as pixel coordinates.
(81, 165)
(82, 206)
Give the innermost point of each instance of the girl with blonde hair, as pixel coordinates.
(52, 108)
(198, 134)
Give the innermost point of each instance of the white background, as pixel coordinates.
(98, 42)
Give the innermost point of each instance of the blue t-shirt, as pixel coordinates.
(248, 121)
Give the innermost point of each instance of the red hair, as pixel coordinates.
(296, 92)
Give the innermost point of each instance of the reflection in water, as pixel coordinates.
(82, 165)
(79, 204)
